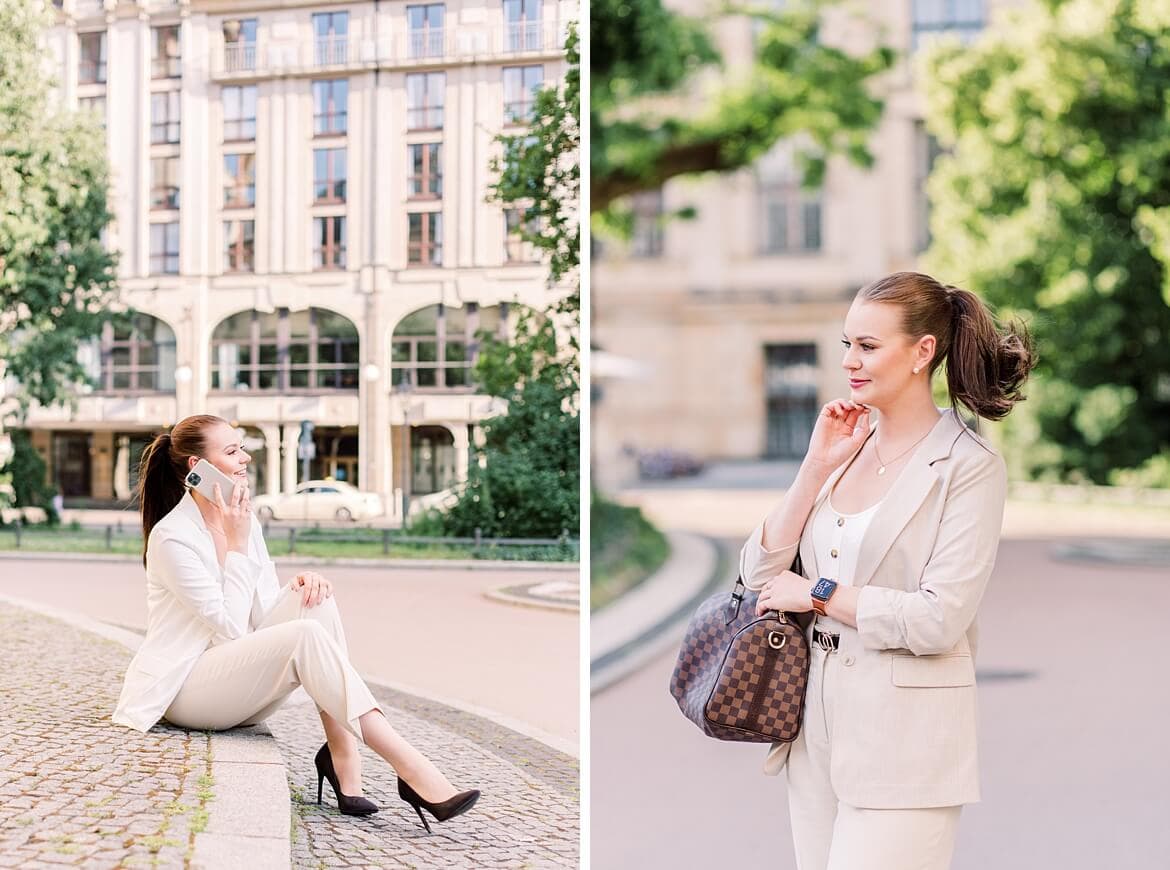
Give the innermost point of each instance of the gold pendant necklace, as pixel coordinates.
(882, 465)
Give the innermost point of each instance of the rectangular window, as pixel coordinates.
(164, 248)
(330, 99)
(516, 248)
(239, 180)
(164, 52)
(239, 246)
(164, 117)
(520, 86)
(790, 216)
(425, 30)
(331, 35)
(424, 100)
(425, 242)
(329, 243)
(932, 18)
(790, 387)
(522, 23)
(329, 175)
(92, 68)
(426, 171)
(239, 113)
(164, 182)
(239, 44)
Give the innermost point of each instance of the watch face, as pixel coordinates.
(824, 589)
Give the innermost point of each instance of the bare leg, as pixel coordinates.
(343, 747)
(408, 762)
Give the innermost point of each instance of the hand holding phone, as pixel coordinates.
(229, 496)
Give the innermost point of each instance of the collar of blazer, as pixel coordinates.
(903, 500)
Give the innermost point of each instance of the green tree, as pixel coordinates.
(525, 480)
(647, 72)
(56, 279)
(1053, 202)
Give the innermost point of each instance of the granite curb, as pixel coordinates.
(469, 564)
(646, 620)
(247, 822)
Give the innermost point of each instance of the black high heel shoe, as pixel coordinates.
(349, 806)
(448, 809)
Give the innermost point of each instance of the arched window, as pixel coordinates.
(434, 348)
(135, 354)
(284, 350)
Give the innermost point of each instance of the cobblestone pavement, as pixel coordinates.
(526, 818)
(76, 789)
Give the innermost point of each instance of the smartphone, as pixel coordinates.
(203, 477)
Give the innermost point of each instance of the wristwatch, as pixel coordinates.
(821, 593)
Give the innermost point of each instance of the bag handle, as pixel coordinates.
(737, 594)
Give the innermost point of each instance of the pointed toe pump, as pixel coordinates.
(448, 809)
(349, 806)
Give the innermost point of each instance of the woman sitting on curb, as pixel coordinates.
(226, 645)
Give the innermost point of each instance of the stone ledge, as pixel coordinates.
(248, 823)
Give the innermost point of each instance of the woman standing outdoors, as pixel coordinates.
(226, 645)
(896, 514)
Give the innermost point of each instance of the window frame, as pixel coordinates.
(331, 113)
(164, 65)
(428, 116)
(239, 254)
(331, 180)
(326, 247)
(92, 71)
(244, 180)
(166, 258)
(168, 126)
(429, 176)
(170, 198)
(430, 226)
(241, 128)
(520, 111)
(426, 41)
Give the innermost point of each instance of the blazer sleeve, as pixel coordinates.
(268, 586)
(758, 565)
(931, 620)
(222, 607)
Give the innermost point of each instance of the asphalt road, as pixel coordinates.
(428, 630)
(1074, 740)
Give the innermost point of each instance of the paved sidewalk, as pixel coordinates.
(75, 789)
(527, 816)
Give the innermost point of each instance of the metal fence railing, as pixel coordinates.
(282, 540)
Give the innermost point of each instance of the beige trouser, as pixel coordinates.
(243, 681)
(831, 835)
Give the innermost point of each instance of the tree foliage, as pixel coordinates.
(56, 279)
(1053, 202)
(648, 74)
(525, 479)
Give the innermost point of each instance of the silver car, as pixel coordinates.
(319, 500)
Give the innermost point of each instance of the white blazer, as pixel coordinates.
(904, 734)
(191, 605)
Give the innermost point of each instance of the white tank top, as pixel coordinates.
(836, 538)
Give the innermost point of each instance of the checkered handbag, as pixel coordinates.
(740, 676)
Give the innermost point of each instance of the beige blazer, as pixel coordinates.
(904, 730)
(191, 604)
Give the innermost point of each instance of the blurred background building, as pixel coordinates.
(299, 193)
(733, 319)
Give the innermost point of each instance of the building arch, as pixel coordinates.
(135, 353)
(310, 350)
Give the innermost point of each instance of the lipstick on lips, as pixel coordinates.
(855, 383)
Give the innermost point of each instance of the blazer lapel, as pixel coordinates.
(905, 497)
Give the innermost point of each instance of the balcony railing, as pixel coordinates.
(405, 48)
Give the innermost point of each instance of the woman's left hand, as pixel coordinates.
(313, 588)
(786, 591)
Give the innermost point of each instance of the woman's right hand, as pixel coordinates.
(841, 428)
(236, 516)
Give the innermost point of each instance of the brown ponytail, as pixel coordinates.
(987, 363)
(164, 466)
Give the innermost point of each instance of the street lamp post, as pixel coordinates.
(405, 389)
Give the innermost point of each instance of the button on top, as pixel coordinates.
(840, 521)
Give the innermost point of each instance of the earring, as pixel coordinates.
(915, 370)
